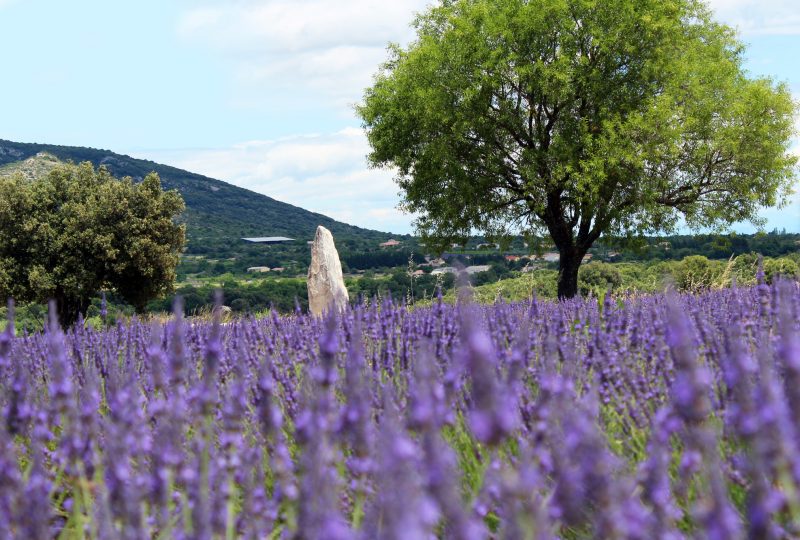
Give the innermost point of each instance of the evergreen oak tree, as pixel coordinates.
(78, 230)
(577, 118)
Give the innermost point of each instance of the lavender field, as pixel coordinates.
(658, 417)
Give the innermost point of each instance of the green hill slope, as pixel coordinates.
(32, 167)
(217, 213)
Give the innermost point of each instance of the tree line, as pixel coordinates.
(78, 230)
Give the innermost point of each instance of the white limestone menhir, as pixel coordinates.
(326, 288)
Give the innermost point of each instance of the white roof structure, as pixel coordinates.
(268, 239)
(478, 268)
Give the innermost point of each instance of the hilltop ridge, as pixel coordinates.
(216, 212)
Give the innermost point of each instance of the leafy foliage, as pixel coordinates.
(695, 273)
(713, 246)
(579, 119)
(78, 230)
(598, 278)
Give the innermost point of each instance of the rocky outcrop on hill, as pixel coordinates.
(326, 288)
(33, 167)
(13, 152)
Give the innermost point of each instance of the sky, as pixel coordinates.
(259, 93)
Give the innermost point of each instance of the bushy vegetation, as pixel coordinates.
(694, 274)
(714, 246)
(282, 294)
(78, 230)
(598, 277)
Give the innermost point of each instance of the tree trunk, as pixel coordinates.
(569, 262)
(571, 248)
(68, 309)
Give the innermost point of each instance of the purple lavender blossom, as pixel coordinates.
(645, 417)
(493, 416)
(401, 509)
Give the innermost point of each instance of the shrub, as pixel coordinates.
(597, 278)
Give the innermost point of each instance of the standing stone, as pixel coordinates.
(326, 288)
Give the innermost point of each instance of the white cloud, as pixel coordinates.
(326, 49)
(298, 25)
(322, 173)
(759, 17)
(336, 76)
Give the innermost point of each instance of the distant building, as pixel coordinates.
(469, 269)
(278, 269)
(258, 269)
(587, 257)
(390, 243)
(550, 256)
(477, 268)
(512, 258)
(436, 262)
(488, 246)
(268, 240)
(417, 273)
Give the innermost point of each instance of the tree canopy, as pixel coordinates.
(78, 230)
(578, 118)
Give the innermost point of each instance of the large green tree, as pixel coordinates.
(577, 118)
(77, 230)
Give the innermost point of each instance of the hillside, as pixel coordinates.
(217, 213)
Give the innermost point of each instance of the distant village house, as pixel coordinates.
(550, 256)
(477, 268)
(268, 240)
(553, 256)
(469, 269)
(390, 243)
